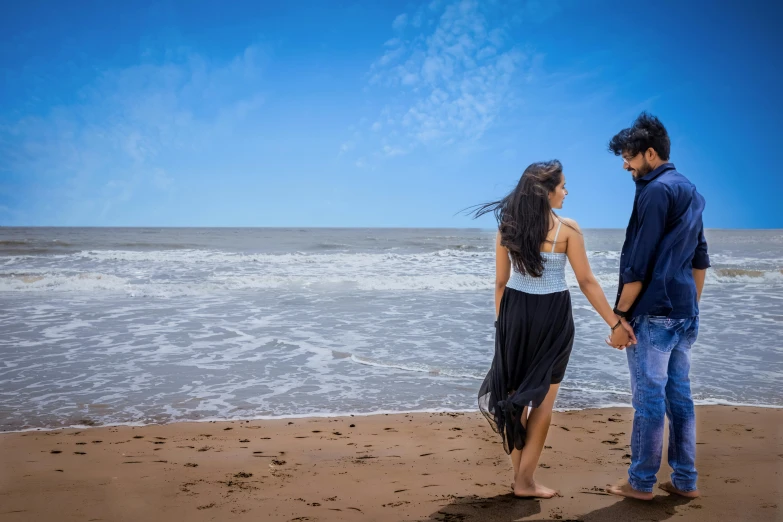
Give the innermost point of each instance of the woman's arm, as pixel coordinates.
(502, 272)
(589, 285)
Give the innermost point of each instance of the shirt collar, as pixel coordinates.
(657, 172)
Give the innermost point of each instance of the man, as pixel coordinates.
(662, 269)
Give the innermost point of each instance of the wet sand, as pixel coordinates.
(439, 466)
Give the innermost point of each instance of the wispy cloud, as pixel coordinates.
(400, 22)
(134, 131)
(449, 74)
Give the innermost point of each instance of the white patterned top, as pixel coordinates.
(553, 279)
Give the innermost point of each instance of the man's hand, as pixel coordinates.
(622, 336)
(618, 338)
(628, 328)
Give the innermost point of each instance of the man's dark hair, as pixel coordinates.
(646, 132)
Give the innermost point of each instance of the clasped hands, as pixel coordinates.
(622, 336)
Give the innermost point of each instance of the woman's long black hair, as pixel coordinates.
(523, 215)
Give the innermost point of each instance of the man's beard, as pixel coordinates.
(642, 171)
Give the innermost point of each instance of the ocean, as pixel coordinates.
(151, 325)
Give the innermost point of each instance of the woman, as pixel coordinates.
(534, 326)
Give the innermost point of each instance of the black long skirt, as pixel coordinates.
(534, 335)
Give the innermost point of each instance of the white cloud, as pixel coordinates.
(140, 127)
(393, 151)
(376, 126)
(400, 22)
(347, 146)
(450, 81)
(161, 180)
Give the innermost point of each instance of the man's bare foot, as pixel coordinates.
(533, 490)
(624, 489)
(669, 487)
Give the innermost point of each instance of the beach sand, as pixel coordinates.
(424, 466)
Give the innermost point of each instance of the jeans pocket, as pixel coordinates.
(664, 333)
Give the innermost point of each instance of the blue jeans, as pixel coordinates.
(659, 365)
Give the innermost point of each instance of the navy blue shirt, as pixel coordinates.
(664, 242)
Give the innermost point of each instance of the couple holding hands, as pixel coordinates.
(655, 318)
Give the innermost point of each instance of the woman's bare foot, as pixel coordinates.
(669, 487)
(624, 489)
(533, 490)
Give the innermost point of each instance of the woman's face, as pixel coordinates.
(557, 196)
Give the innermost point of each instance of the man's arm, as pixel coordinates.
(652, 207)
(701, 262)
(698, 277)
(629, 296)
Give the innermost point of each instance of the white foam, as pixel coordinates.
(413, 367)
(170, 273)
(44, 281)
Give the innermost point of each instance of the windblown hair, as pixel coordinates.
(645, 133)
(523, 215)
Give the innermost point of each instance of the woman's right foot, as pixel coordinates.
(533, 490)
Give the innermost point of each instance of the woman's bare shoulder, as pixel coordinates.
(571, 223)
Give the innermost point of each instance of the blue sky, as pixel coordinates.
(363, 114)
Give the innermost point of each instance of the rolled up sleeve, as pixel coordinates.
(652, 207)
(701, 259)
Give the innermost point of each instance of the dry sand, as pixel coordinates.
(439, 466)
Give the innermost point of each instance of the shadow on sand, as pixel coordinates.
(503, 508)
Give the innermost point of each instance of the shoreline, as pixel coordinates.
(384, 466)
(339, 415)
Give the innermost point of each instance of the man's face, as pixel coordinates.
(637, 164)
